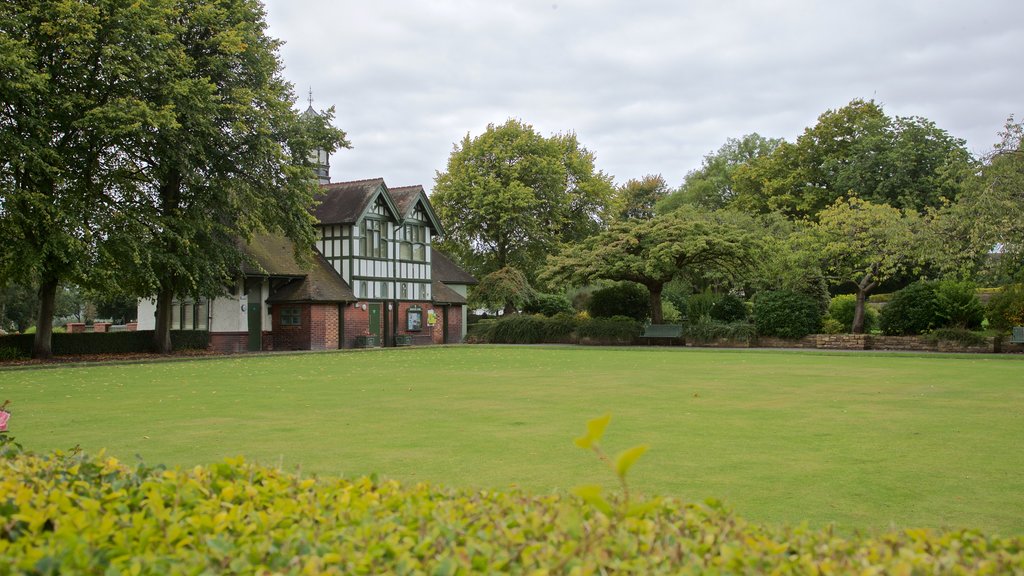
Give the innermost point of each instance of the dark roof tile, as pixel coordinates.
(442, 268)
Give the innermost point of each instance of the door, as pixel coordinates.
(374, 320)
(254, 308)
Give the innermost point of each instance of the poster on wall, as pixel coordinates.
(431, 317)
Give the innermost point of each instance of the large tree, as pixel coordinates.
(236, 160)
(637, 198)
(865, 244)
(686, 242)
(858, 150)
(992, 207)
(711, 186)
(69, 82)
(510, 194)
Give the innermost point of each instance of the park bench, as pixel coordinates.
(1017, 337)
(669, 332)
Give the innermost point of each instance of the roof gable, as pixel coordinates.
(409, 198)
(349, 202)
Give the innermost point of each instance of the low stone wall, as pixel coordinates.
(842, 341)
(911, 343)
(771, 342)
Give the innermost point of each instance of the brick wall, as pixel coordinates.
(229, 342)
(323, 326)
(454, 325)
(357, 321)
(291, 337)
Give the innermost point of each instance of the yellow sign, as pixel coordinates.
(431, 317)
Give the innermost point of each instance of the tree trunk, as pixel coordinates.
(162, 332)
(510, 308)
(863, 287)
(42, 347)
(656, 314)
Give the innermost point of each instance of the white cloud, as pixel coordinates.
(649, 86)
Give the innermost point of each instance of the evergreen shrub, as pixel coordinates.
(910, 311)
(961, 336)
(81, 514)
(786, 314)
(623, 299)
(729, 308)
(842, 309)
(141, 341)
(1006, 308)
(548, 304)
(957, 305)
(561, 328)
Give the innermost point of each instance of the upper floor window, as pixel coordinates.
(373, 243)
(414, 243)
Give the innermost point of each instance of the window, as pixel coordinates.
(414, 319)
(423, 292)
(404, 290)
(372, 245)
(291, 316)
(362, 288)
(190, 315)
(414, 243)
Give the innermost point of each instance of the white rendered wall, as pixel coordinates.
(147, 314)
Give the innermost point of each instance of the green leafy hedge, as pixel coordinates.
(558, 329)
(74, 514)
(106, 342)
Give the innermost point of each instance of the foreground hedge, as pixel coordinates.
(73, 514)
(106, 342)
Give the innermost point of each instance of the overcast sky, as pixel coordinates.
(649, 86)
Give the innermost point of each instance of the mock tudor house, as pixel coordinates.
(374, 280)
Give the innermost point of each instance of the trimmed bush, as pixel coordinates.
(957, 305)
(842, 309)
(910, 311)
(670, 314)
(624, 299)
(1006, 308)
(562, 328)
(786, 314)
(107, 342)
(549, 305)
(76, 514)
(700, 305)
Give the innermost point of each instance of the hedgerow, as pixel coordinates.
(106, 342)
(75, 514)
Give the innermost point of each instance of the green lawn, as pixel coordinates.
(864, 441)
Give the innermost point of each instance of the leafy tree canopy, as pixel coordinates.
(636, 199)
(688, 241)
(858, 150)
(711, 186)
(507, 289)
(510, 194)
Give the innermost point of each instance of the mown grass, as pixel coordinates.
(867, 442)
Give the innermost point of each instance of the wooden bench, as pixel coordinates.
(662, 331)
(1017, 337)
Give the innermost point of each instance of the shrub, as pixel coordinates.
(830, 325)
(524, 329)
(11, 353)
(786, 314)
(700, 305)
(707, 329)
(549, 304)
(624, 299)
(617, 329)
(77, 514)
(910, 311)
(1006, 308)
(842, 309)
(957, 305)
(669, 313)
(729, 308)
(961, 336)
(108, 342)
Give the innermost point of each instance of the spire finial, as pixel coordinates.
(310, 96)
